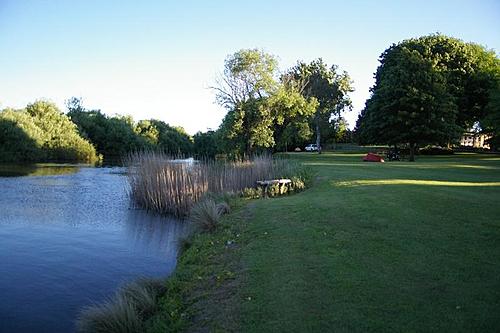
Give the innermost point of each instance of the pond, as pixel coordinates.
(69, 238)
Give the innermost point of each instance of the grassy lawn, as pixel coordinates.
(393, 247)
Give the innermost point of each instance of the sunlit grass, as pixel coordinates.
(413, 182)
(393, 247)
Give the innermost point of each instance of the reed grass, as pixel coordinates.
(160, 183)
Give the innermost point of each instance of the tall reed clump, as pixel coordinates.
(126, 312)
(162, 184)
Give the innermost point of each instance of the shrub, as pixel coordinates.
(274, 190)
(116, 315)
(297, 184)
(41, 132)
(205, 215)
(126, 312)
(252, 192)
(143, 294)
(223, 208)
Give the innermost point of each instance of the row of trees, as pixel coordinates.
(427, 90)
(41, 132)
(269, 110)
(113, 137)
(430, 90)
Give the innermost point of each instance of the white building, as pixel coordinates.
(475, 140)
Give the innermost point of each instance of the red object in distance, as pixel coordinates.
(371, 157)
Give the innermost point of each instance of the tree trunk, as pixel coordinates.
(318, 135)
(412, 152)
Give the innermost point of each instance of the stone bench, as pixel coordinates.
(282, 183)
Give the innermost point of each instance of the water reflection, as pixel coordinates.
(155, 233)
(40, 169)
(70, 239)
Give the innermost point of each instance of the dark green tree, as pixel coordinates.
(491, 122)
(470, 71)
(173, 140)
(117, 136)
(328, 86)
(452, 88)
(410, 103)
(206, 144)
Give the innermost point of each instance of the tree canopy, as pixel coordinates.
(116, 136)
(329, 87)
(428, 90)
(41, 132)
(268, 111)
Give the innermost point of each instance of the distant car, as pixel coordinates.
(311, 147)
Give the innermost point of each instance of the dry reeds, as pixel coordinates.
(169, 186)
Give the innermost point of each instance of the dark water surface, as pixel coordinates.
(68, 238)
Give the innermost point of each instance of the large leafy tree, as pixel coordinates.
(449, 80)
(206, 144)
(328, 86)
(491, 122)
(292, 113)
(409, 104)
(249, 74)
(248, 78)
(470, 71)
(260, 107)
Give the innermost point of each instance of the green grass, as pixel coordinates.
(370, 247)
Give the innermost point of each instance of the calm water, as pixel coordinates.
(68, 238)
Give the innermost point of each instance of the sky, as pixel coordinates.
(157, 59)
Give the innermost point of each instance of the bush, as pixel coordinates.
(297, 184)
(42, 133)
(223, 208)
(127, 311)
(252, 192)
(116, 315)
(205, 215)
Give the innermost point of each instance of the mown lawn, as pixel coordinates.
(393, 247)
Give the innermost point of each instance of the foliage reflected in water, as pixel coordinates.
(41, 169)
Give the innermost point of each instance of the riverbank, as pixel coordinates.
(397, 246)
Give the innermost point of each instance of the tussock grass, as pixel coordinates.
(223, 208)
(116, 315)
(162, 184)
(143, 294)
(126, 312)
(205, 215)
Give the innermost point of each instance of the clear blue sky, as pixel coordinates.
(155, 59)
